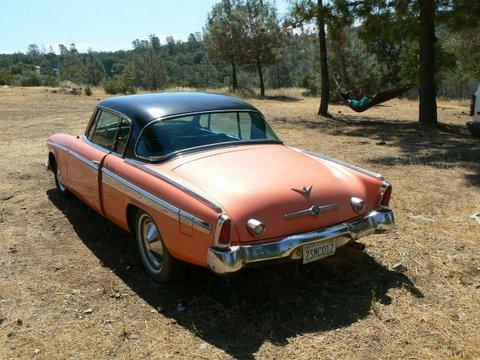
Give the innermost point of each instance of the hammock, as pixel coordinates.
(381, 97)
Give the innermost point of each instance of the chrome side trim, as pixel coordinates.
(162, 206)
(218, 228)
(75, 154)
(201, 225)
(210, 203)
(339, 162)
(224, 261)
(64, 148)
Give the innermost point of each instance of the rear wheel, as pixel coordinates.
(155, 257)
(61, 188)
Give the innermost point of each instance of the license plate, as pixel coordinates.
(315, 251)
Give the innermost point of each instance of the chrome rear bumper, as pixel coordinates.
(234, 258)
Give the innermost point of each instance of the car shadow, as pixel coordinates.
(238, 314)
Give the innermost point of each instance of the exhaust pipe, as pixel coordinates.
(356, 245)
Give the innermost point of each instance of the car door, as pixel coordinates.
(89, 152)
(114, 201)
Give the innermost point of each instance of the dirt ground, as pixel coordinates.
(72, 286)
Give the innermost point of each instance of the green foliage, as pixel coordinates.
(352, 66)
(113, 85)
(372, 45)
(5, 77)
(222, 35)
(88, 90)
(94, 70)
(311, 85)
(261, 36)
(149, 66)
(244, 92)
(391, 32)
(465, 45)
(120, 84)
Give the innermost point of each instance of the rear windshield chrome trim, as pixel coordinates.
(182, 115)
(204, 199)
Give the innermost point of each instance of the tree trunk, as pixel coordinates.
(428, 90)
(194, 76)
(260, 77)
(322, 42)
(234, 76)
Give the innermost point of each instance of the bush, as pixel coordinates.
(49, 80)
(244, 92)
(27, 79)
(88, 90)
(68, 87)
(310, 83)
(118, 85)
(5, 77)
(112, 86)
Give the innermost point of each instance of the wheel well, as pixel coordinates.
(131, 213)
(52, 163)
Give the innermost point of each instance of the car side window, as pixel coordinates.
(225, 123)
(245, 125)
(204, 121)
(122, 136)
(105, 129)
(93, 124)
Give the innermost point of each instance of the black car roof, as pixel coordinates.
(144, 108)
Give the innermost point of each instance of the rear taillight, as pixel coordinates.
(222, 232)
(224, 237)
(472, 105)
(387, 194)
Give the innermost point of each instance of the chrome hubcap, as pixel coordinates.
(151, 242)
(60, 182)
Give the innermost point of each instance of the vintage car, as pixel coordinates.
(203, 178)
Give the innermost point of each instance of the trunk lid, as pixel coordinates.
(257, 182)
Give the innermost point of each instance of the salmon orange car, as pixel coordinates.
(203, 178)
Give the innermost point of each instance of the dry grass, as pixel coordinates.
(59, 259)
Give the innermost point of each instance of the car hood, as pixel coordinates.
(258, 181)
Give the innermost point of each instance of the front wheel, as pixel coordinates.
(155, 257)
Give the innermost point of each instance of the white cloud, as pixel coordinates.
(126, 45)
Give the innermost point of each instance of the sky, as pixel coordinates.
(100, 25)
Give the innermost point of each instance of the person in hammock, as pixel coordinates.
(359, 102)
(356, 98)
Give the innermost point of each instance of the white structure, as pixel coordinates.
(474, 125)
(476, 106)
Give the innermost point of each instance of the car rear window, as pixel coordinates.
(169, 136)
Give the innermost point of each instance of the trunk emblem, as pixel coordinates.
(315, 210)
(305, 191)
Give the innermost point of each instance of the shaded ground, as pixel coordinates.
(71, 284)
